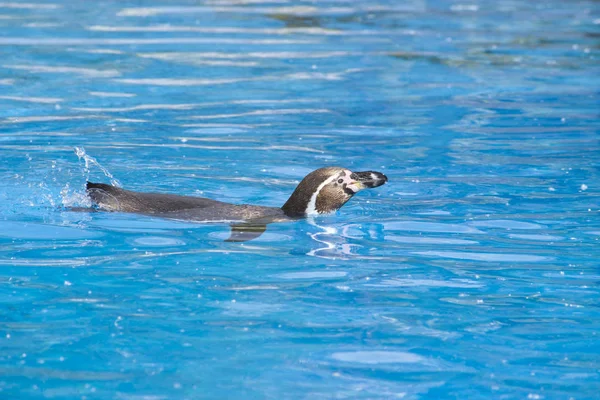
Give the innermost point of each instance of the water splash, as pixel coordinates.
(72, 198)
(89, 160)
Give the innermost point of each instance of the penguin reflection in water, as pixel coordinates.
(322, 191)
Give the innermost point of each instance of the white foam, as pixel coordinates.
(70, 198)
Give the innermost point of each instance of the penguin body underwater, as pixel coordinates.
(322, 191)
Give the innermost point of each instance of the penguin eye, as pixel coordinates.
(340, 180)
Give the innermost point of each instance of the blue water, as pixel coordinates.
(474, 273)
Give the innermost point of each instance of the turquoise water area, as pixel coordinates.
(473, 273)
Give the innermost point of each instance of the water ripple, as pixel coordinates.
(506, 224)
(281, 55)
(542, 238)
(263, 112)
(30, 6)
(429, 240)
(491, 257)
(397, 282)
(42, 100)
(332, 76)
(312, 275)
(220, 30)
(421, 226)
(57, 41)
(377, 357)
(35, 231)
(93, 73)
(290, 10)
(110, 94)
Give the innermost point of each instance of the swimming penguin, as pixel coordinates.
(322, 191)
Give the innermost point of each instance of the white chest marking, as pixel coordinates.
(311, 209)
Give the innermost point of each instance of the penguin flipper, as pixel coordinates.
(246, 231)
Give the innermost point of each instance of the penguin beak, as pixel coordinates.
(368, 179)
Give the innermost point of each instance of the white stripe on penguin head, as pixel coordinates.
(311, 209)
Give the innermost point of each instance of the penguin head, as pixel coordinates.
(327, 189)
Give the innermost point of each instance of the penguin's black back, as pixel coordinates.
(116, 199)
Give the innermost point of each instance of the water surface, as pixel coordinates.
(472, 274)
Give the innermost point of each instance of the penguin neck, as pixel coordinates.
(296, 205)
(303, 202)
